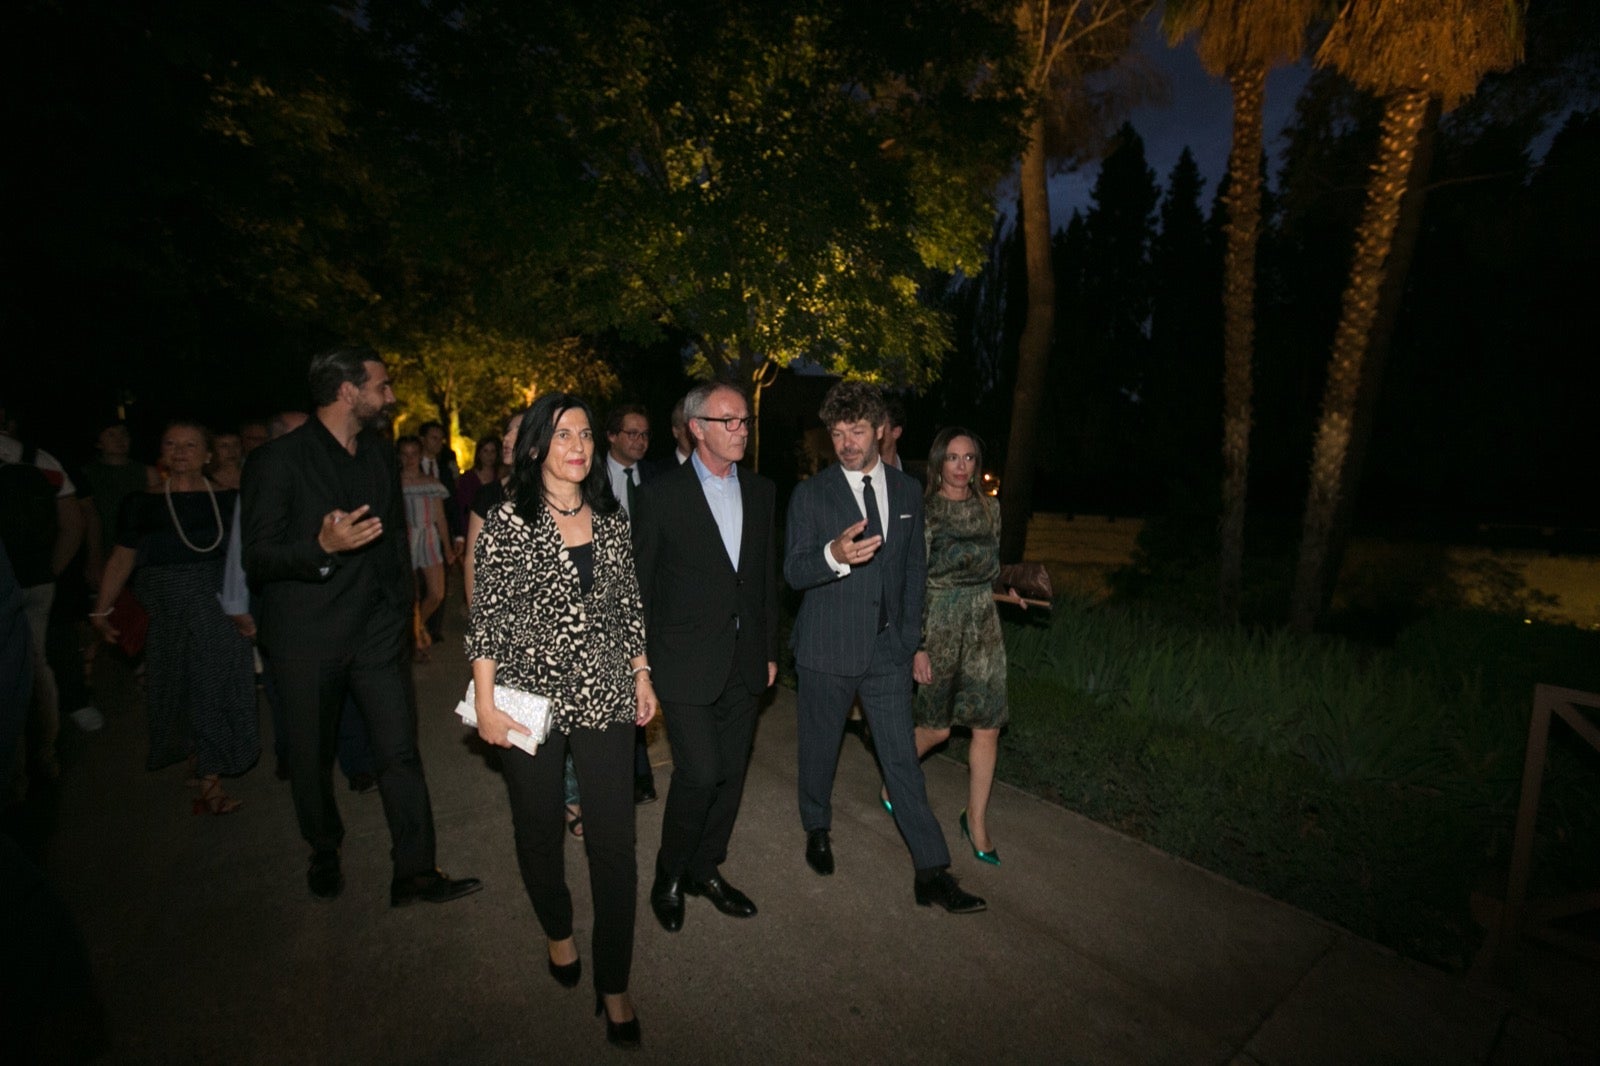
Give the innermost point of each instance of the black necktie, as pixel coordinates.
(627, 473)
(869, 500)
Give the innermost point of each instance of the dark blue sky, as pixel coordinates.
(1198, 113)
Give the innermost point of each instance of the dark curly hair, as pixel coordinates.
(852, 401)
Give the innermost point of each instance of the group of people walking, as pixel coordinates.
(615, 591)
(674, 609)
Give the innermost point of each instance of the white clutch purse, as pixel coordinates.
(527, 709)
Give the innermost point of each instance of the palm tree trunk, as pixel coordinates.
(1397, 142)
(1033, 349)
(1407, 233)
(1243, 230)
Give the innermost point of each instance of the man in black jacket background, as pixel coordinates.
(325, 540)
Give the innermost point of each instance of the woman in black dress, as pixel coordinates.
(200, 693)
(556, 611)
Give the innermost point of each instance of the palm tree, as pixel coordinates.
(1407, 53)
(1063, 42)
(1240, 40)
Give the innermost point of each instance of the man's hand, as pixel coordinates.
(344, 531)
(772, 673)
(845, 548)
(245, 624)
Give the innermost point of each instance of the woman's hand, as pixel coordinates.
(246, 625)
(1013, 597)
(496, 726)
(644, 692)
(922, 668)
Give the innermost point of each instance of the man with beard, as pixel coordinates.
(325, 540)
(854, 549)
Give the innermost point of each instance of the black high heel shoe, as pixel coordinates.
(566, 976)
(622, 1034)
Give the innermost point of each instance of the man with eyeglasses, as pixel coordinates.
(627, 439)
(704, 544)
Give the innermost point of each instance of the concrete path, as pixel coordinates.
(1095, 948)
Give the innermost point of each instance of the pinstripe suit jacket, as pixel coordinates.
(838, 621)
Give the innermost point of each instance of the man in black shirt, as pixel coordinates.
(325, 539)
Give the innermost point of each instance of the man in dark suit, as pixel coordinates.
(325, 540)
(854, 547)
(627, 439)
(703, 543)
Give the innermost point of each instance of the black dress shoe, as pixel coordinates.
(944, 891)
(323, 876)
(819, 852)
(431, 887)
(666, 900)
(723, 896)
(644, 789)
(622, 1034)
(363, 782)
(566, 976)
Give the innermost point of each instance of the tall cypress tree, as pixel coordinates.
(1183, 391)
(1114, 321)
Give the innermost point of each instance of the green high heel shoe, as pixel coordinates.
(990, 857)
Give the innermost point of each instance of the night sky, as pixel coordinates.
(1198, 113)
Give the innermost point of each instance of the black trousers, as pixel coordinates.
(710, 752)
(378, 674)
(603, 759)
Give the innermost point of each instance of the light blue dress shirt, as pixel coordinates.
(727, 505)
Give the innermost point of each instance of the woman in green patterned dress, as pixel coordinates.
(960, 669)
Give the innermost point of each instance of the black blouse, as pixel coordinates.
(145, 525)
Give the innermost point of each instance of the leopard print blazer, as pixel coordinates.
(546, 636)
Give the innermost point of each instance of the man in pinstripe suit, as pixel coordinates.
(854, 547)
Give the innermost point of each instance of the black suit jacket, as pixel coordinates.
(313, 605)
(704, 620)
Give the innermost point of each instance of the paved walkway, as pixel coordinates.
(1095, 947)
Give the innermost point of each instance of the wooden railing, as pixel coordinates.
(1518, 915)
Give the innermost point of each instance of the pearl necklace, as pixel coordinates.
(215, 511)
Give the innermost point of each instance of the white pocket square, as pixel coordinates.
(905, 516)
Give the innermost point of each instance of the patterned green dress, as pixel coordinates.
(960, 626)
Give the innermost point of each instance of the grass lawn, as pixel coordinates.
(1375, 787)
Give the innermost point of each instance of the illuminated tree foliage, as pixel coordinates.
(774, 182)
(768, 183)
(471, 378)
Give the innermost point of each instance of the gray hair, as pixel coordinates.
(699, 397)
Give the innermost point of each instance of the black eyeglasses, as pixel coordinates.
(730, 424)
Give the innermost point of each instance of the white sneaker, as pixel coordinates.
(89, 719)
